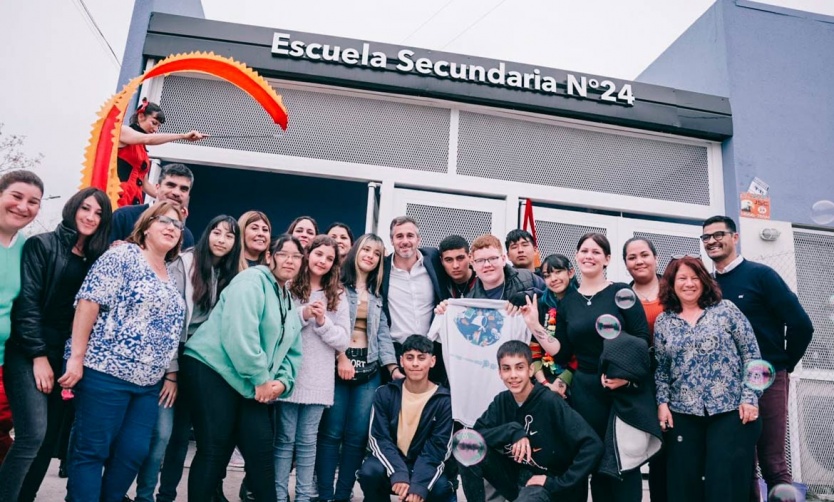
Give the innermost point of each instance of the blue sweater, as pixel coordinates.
(125, 218)
(771, 307)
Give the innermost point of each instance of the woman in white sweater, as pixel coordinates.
(326, 320)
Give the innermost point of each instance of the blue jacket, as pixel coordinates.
(380, 346)
(431, 446)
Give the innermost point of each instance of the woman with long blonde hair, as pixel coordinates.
(256, 230)
(343, 434)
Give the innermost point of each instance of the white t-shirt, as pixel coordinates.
(471, 331)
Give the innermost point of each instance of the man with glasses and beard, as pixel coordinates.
(783, 331)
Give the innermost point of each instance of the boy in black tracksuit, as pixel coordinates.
(538, 448)
(411, 433)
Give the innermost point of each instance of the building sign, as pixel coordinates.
(576, 86)
(755, 206)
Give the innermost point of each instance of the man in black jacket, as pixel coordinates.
(538, 448)
(411, 433)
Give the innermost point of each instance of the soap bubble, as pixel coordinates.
(468, 447)
(783, 493)
(608, 326)
(759, 374)
(822, 212)
(625, 298)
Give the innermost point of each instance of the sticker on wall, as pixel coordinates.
(758, 187)
(755, 206)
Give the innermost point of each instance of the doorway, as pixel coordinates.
(283, 197)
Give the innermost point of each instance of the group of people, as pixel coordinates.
(315, 351)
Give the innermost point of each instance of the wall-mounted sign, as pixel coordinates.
(755, 206)
(576, 86)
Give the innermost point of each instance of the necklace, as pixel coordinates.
(587, 297)
(460, 289)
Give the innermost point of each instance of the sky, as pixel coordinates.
(613, 38)
(61, 58)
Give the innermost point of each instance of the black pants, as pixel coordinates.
(709, 458)
(509, 480)
(222, 419)
(593, 403)
(376, 485)
(658, 490)
(38, 420)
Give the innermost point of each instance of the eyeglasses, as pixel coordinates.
(688, 255)
(715, 235)
(167, 220)
(494, 261)
(289, 256)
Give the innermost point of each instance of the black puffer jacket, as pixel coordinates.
(633, 435)
(44, 259)
(516, 282)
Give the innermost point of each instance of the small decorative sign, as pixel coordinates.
(755, 206)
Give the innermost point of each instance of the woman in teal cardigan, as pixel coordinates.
(246, 355)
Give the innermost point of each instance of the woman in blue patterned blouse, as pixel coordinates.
(127, 326)
(702, 344)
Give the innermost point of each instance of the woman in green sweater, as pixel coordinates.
(246, 355)
(20, 201)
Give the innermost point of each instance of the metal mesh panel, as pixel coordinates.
(815, 287)
(437, 223)
(542, 154)
(813, 262)
(322, 126)
(670, 245)
(816, 435)
(553, 237)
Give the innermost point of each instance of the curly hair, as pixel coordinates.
(710, 295)
(331, 282)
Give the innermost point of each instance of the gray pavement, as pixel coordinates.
(53, 488)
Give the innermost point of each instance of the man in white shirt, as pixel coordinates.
(410, 286)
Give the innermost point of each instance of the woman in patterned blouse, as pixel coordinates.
(127, 326)
(702, 344)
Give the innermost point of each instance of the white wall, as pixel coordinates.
(56, 73)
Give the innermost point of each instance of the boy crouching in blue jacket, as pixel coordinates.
(411, 433)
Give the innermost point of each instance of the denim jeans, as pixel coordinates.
(222, 419)
(172, 466)
(149, 473)
(343, 437)
(296, 427)
(38, 419)
(114, 421)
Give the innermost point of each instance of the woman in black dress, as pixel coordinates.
(577, 331)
